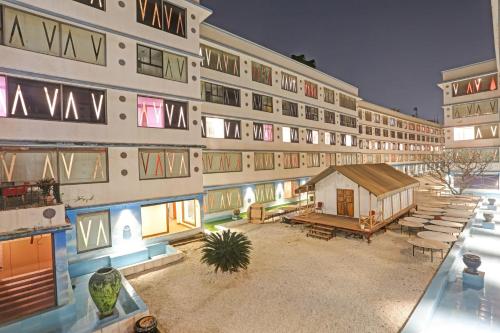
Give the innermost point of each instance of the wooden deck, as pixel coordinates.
(345, 223)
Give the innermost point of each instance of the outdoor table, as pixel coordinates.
(415, 219)
(426, 212)
(446, 230)
(410, 225)
(421, 216)
(432, 245)
(455, 219)
(437, 236)
(458, 213)
(430, 209)
(447, 224)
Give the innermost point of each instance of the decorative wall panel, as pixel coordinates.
(310, 89)
(162, 113)
(218, 128)
(312, 136)
(475, 85)
(475, 109)
(80, 166)
(155, 62)
(313, 160)
(163, 163)
(291, 160)
(486, 131)
(98, 4)
(312, 113)
(263, 161)
(288, 82)
(263, 132)
(262, 73)
(262, 103)
(329, 117)
(162, 15)
(222, 200)
(216, 93)
(264, 193)
(218, 162)
(93, 231)
(290, 109)
(290, 134)
(219, 60)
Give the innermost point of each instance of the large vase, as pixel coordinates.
(104, 287)
(491, 201)
(472, 262)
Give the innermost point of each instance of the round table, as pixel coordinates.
(447, 224)
(437, 236)
(438, 228)
(420, 216)
(458, 213)
(415, 219)
(430, 209)
(426, 212)
(432, 245)
(455, 219)
(410, 225)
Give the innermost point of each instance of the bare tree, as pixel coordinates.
(463, 164)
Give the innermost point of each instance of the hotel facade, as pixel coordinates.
(151, 123)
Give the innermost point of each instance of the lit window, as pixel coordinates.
(463, 133)
(215, 128)
(286, 134)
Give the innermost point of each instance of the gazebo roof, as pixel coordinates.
(380, 179)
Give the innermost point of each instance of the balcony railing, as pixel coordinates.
(28, 195)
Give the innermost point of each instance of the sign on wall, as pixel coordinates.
(162, 15)
(93, 231)
(217, 162)
(475, 85)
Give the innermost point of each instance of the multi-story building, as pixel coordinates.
(150, 122)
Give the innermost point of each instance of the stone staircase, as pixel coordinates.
(25, 294)
(321, 232)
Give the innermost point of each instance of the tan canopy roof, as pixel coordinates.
(379, 179)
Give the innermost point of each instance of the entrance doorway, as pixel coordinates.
(169, 218)
(345, 202)
(27, 283)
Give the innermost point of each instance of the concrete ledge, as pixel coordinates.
(157, 261)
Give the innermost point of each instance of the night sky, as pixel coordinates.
(392, 50)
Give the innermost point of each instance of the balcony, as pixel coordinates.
(30, 207)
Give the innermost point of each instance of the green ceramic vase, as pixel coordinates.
(104, 287)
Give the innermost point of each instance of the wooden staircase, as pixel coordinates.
(321, 232)
(25, 294)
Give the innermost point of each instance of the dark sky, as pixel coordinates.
(392, 50)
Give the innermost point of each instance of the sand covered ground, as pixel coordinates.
(293, 284)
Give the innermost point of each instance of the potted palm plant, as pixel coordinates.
(236, 214)
(227, 251)
(46, 185)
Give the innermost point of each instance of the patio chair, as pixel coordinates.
(319, 207)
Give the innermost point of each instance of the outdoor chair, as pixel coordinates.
(319, 207)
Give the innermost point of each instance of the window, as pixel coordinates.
(329, 117)
(376, 118)
(163, 163)
(475, 109)
(347, 121)
(330, 138)
(162, 15)
(30, 99)
(386, 133)
(310, 89)
(311, 113)
(385, 120)
(360, 129)
(290, 109)
(289, 188)
(263, 161)
(93, 231)
(392, 122)
(475, 85)
(262, 103)
(312, 137)
(42, 35)
(219, 162)
(222, 200)
(288, 82)
(329, 95)
(368, 116)
(463, 133)
(262, 73)
(291, 160)
(161, 113)
(313, 160)
(98, 4)
(377, 131)
(219, 60)
(218, 128)
(399, 124)
(348, 140)
(263, 132)
(347, 102)
(264, 193)
(486, 131)
(215, 93)
(162, 64)
(411, 126)
(369, 130)
(169, 218)
(290, 135)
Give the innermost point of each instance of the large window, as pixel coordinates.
(28, 99)
(222, 200)
(329, 117)
(218, 128)
(263, 161)
(288, 82)
(475, 109)
(162, 15)
(313, 160)
(290, 109)
(169, 218)
(347, 101)
(463, 133)
(219, 60)
(329, 95)
(475, 85)
(263, 132)
(93, 231)
(161, 113)
(216, 93)
(290, 134)
(348, 140)
(291, 160)
(219, 162)
(262, 73)
(289, 188)
(312, 136)
(369, 130)
(310, 89)
(486, 131)
(66, 166)
(347, 121)
(312, 113)
(264, 193)
(330, 138)
(162, 64)
(262, 102)
(163, 163)
(36, 33)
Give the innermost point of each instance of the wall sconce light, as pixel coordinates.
(127, 233)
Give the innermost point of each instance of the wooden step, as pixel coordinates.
(18, 302)
(25, 276)
(32, 279)
(320, 232)
(27, 287)
(323, 227)
(25, 309)
(324, 237)
(30, 290)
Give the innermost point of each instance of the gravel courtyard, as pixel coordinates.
(293, 284)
